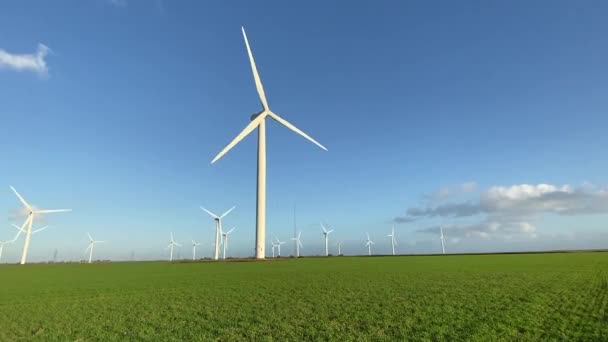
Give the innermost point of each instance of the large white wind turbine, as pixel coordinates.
(90, 247)
(258, 120)
(31, 212)
(393, 239)
(326, 236)
(194, 244)
(225, 236)
(298, 244)
(442, 238)
(218, 230)
(172, 243)
(369, 244)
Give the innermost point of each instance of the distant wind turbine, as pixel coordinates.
(274, 245)
(298, 244)
(442, 238)
(326, 236)
(225, 236)
(171, 245)
(218, 230)
(90, 247)
(258, 120)
(369, 244)
(2, 243)
(279, 243)
(194, 244)
(31, 212)
(339, 248)
(393, 239)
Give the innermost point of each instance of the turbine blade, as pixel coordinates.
(300, 243)
(230, 231)
(252, 125)
(228, 212)
(177, 244)
(331, 231)
(90, 238)
(295, 129)
(322, 226)
(19, 228)
(299, 235)
(256, 76)
(52, 211)
(21, 198)
(39, 229)
(210, 213)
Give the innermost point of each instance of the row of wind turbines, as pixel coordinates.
(258, 121)
(221, 236)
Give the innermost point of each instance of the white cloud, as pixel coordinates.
(508, 211)
(26, 62)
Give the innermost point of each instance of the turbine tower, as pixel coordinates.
(298, 244)
(339, 248)
(393, 239)
(225, 236)
(258, 120)
(171, 245)
(218, 230)
(90, 247)
(442, 238)
(369, 244)
(194, 244)
(326, 235)
(31, 212)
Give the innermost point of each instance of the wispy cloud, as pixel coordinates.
(508, 210)
(26, 62)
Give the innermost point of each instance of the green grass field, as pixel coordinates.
(436, 298)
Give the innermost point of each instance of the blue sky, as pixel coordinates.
(413, 100)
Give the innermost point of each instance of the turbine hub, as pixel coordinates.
(255, 115)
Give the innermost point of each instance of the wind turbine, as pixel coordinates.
(393, 239)
(339, 248)
(194, 244)
(258, 120)
(279, 243)
(442, 238)
(90, 247)
(298, 244)
(171, 245)
(369, 244)
(31, 213)
(225, 236)
(2, 243)
(218, 229)
(274, 245)
(326, 235)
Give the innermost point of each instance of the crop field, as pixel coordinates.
(523, 297)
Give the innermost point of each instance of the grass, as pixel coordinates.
(527, 297)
